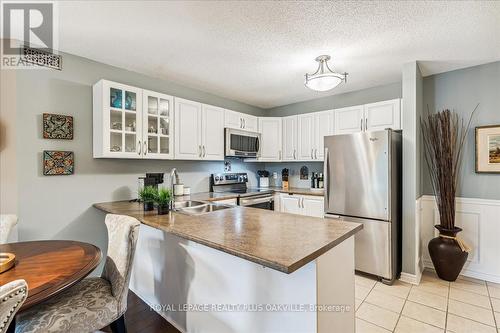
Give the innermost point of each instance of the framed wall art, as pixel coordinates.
(56, 162)
(488, 149)
(56, 126)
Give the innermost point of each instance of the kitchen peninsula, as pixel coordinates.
(244, 269)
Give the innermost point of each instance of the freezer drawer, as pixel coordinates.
(373, 247)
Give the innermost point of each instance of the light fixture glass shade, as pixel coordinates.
(324, 78)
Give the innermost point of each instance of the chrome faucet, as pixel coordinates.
(173, 174)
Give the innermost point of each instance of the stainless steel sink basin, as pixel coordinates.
(189, 203)
(202, 209)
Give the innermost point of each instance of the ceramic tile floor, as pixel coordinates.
(464, 306)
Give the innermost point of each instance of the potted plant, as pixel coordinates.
(147, 195)
(162, 199)
(444, 135)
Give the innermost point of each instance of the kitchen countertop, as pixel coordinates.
(281, 241)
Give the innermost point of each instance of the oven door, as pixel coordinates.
(241, 143)
(262, 202)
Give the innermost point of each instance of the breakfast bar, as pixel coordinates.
(244, 269)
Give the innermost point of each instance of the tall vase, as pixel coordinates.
(447, 256)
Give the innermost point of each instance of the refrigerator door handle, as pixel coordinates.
(326, 167)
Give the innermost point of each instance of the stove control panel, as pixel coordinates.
(229, 178)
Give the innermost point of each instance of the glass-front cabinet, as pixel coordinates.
(130, 122)
(157, 120)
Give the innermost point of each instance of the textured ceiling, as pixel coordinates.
(258, 52)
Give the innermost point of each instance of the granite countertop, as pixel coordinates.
(281, 241)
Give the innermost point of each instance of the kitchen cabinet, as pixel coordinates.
(157, 126)
(382, 115)
(307, 205)
(187, 130)
(199, 131)
(368, 117)
(239, 120)
(313, 206)
(270, 129)
(305, 145)
(312, 128)
(289, 138)
(349, 120)
(323, 126)
(290, 204)
(212, 125)
(129, 122)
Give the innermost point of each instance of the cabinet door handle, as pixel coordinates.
(361, 124)
(244, 123)
(139, 147)
(204, 151)
(145, 146)
(366, 124)
(294, 156)
(199, 150)
(312, 151)
(315, 153)
(241, 122)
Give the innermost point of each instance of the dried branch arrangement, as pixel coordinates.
(444, 135)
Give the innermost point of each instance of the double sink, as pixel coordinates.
(192, 207)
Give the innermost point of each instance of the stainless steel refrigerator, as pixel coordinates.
(363, 185)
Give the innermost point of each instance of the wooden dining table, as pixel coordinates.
(50, 266)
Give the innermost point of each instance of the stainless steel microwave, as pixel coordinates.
(241, 143)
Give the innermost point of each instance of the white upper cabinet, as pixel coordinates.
(212, 133)
(129, 122)
(368, 117)
(312, 128)
(323, 127)
(199, 131)
(382, 115)
(270, 129)
(305, 145)
(289, 138)
(239, 120)
(349, 120)
(187, 130)
(157, 126)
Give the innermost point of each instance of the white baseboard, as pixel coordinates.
(410, 278)
(466, 272)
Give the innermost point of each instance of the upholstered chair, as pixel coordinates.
(8, 228)
(96, 302)
(12, 296)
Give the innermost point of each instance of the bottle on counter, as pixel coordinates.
(321, 182)
(313, 180)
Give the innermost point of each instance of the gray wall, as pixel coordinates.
(60, 207)
(461, 91)
(370, 95)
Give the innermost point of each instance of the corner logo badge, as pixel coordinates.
(28, 24)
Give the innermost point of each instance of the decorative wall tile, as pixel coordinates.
(57, 162)
(56, 126)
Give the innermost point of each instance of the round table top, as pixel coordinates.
(50, 266)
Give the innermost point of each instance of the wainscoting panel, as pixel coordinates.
(480, 221)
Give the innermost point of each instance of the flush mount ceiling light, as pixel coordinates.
(324, 78)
